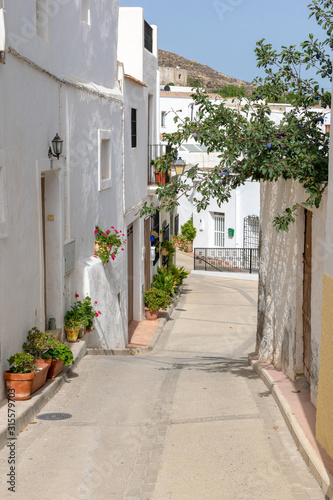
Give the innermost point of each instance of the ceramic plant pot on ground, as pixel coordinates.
(82, 331)
(189, 248)
(43, 366)
(72, 333)
(55, 368)
(151, 315)
(19, 384)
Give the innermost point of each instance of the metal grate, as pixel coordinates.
(54, 416)
(236, 260)
(251, 231)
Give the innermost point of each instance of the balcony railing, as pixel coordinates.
(155, 151)
(234, 260)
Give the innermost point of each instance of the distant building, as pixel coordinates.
(173, 75)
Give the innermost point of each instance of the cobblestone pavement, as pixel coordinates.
(191, 421)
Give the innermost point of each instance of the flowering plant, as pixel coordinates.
(37, 343)
(108, 243)
(180, 241)
(87, 311)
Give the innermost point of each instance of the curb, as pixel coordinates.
(136, 351)
(25, 411)
(311, 458)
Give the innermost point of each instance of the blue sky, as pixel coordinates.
(222, 33)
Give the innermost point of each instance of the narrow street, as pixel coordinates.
(191, 421)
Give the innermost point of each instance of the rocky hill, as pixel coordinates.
(208, 77)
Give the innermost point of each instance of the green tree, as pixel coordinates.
(250, 144)
(232, 91)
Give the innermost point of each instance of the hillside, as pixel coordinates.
(208, 77)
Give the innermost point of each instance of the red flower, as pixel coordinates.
(96, 314)
(99, 312)
(77, 295)
(88, 330)
(122, 249)
(95, 301)
(112, 227)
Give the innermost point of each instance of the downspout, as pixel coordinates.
(123, 155)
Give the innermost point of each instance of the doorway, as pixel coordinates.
(130, 271)
(306, 308)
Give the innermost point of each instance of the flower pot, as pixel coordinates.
(72, 333)
(19, 384)
(43, 366)
(160, 177)
(189, 248)
(151, 315)
(55, 368)
(82, 331)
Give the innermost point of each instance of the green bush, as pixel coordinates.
(58, 350)
(37, 343)
(22, 362)
(164, 280)
(156, 299)
(188, 230)
(179, 274)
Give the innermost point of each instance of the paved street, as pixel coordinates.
(191, 421)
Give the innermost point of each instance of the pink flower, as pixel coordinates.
(116, 231)
(95, 301)
(107, 232)
(96, 231)
(112, 227)
(77, 295)
(113, 257)
(103, 234)
(122, 249)
(110, 246)
(99, 312)
(96, 314)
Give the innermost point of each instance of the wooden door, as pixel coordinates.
(147, 253)
(130, 270)
(307, 257)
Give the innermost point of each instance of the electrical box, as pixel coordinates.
(231, 232)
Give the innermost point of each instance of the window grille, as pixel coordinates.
(219, 230)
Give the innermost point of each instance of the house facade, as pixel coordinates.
(234, 224)
(61, 74)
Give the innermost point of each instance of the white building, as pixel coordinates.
(236, 223)
(61, 75)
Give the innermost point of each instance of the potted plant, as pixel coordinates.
(37, 344)
(88, 313)
(73, 321)
(107, 243)
(155, 299)
(20, 376)
(60, 354)
(159, 172)
(189, 232)
(164, 280)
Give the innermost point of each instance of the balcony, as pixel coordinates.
(155, 151)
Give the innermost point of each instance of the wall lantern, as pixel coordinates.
(57, 147)
(179, 166)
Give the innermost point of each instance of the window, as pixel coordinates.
(219, 230)
(327, 129)
(41, 19)
(163, 117)
(148, 37)
(86, 11)
(104, 159)
(134, 127)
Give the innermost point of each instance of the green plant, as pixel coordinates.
(22, 362)
(58, 350)
(37, 343)
(188, 231)
(86, 311)
(156, 299)
(179, 274)
(74, 317)
(164, 280)
(108, 243)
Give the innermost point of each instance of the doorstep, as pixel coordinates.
(300, 416)
(25, 411)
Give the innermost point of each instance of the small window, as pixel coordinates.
(41, 19)
(134, 127)
(104, 159)
(86, 11)
(219, 230)
(327, 129)
(163, 118)
(148, 37)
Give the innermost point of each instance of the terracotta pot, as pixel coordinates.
(55, 368)
(41, 376)
(151, 315)
(72, 333)
(20, 384)
(82, 331)
(160, 177)
(189, 248)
